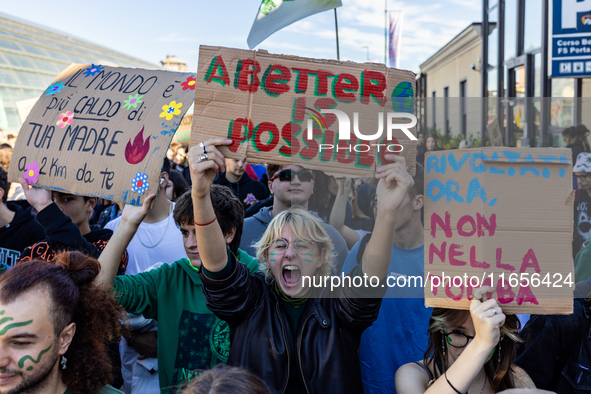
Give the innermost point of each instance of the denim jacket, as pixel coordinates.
(556, 352)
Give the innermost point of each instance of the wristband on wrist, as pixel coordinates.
(205, 224)
(451, 385)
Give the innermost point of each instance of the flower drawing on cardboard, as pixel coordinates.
(135, 153)
(31, 173)
(189, 84)
(140, 183)
(54, 88)
(170, 110)
(65, 119)
(132, 101)
(92, 70)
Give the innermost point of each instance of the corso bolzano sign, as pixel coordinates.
(341, 117)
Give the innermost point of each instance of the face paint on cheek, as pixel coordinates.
(21, 362)
(308, 261)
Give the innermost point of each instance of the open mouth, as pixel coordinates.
(291, 275)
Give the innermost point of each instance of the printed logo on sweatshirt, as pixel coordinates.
(250, 199)
(9, 256)
(203, 342)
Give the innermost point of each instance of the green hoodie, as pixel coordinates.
(190, 338)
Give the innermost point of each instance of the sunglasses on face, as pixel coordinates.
(288, 175)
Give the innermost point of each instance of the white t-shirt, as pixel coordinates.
(166, 237)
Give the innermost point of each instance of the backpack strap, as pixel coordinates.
(431, 380)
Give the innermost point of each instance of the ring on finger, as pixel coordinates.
(203, 157)
(494, 311)
(202, 145)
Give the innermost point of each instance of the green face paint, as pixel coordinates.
(308, 261)
(308, 254)
(21, 362)
(491, 353)
(13, 325)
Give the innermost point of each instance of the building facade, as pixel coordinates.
(499, 69)
(32, 56)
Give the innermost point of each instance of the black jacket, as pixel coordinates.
(62, 234)
(22, 231)
(247, 190)
(556, 352)
(325, 347)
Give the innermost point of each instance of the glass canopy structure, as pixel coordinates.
(31, 56)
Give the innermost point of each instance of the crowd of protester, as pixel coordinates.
(200, 290)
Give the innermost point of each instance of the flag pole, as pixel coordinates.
(336, 27)
(385, 30)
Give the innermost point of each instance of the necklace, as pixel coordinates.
(483, 386)
(163, 234)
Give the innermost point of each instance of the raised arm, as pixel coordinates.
(339, 211)
(131, 218)
(394, 184)
(204, 164)
(465, 369)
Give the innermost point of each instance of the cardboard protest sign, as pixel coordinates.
(502, 217)
(183, 133)
(340, 117)
(494, 133)
(102, 131)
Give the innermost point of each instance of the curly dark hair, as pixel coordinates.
(74, 299)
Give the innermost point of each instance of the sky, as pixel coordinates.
(150, 29)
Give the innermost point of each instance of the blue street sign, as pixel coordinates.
(571, 38)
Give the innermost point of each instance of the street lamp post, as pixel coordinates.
(367, 48)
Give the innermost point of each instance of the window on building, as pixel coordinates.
(434, 110)
(493, 37)
(446, 110)
(511, 29)
(533, 25)
(562, 104)
(463, 111)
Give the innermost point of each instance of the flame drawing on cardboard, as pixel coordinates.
(89, 125)
(134, 153)
(339, 117)
(501, 217)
